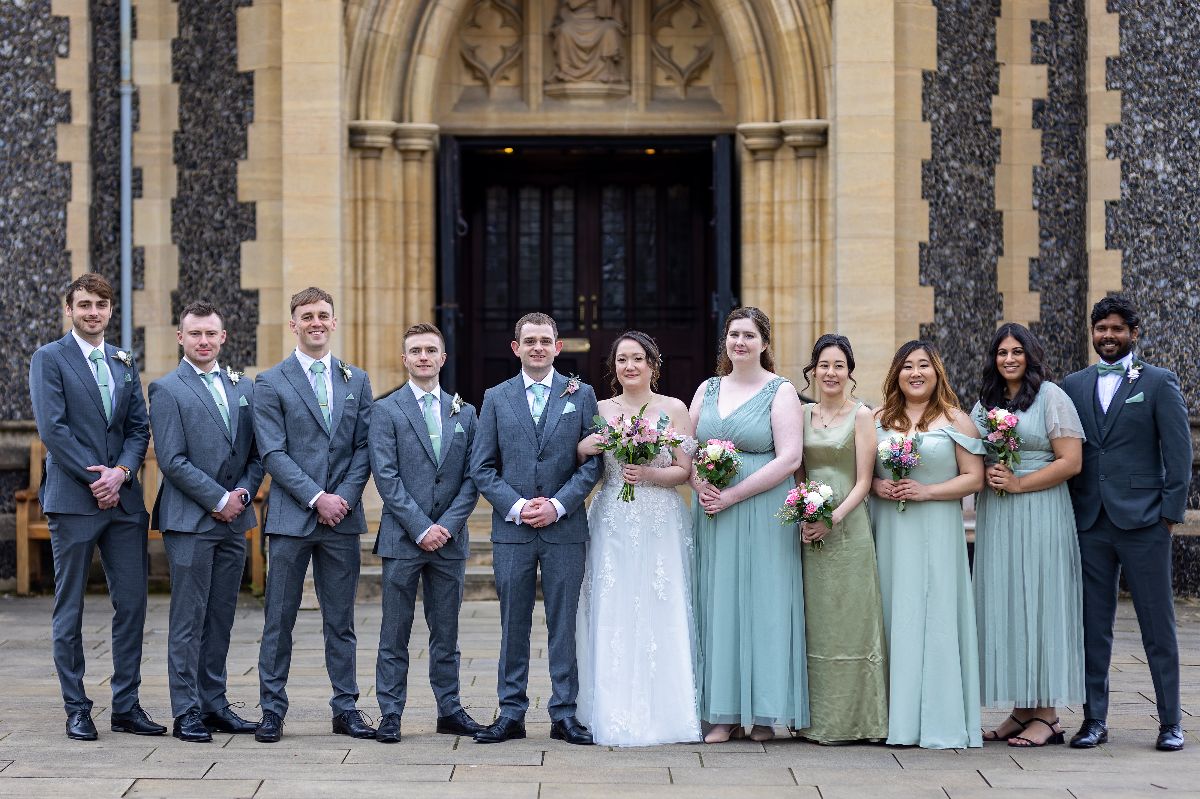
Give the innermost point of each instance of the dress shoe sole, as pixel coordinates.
(567, 740)
(77, 737)
(514, 737)
(192, 739)
(1103, 739)
(116, 728)
(265, 740)
(458, 731)
(387, 739)
(360, 736)
(1168, 747)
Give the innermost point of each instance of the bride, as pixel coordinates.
(635, 631)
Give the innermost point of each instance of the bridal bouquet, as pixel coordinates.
(809, 502)
(716, 463)
(899, 456)
(1002, 440)
(636, 441)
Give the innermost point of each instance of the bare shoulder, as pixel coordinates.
(962, 423)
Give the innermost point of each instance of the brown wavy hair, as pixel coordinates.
(760, 320)
(891, 414)
(653, 359)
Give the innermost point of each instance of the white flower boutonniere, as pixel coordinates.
(124, 357)
(456, 404)
(572, 385)
(232, 375)
(345, 370)
(1134, 371)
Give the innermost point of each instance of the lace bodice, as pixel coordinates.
(612, 468)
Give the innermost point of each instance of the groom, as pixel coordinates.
(524, 463)
(1133, 488)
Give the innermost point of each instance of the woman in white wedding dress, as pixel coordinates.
(635, 632)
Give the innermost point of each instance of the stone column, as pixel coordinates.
(416, 143)
(805, 257)
(760, 272)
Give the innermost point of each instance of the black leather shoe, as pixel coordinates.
(502, 729)
(352, 723)
(458, 723)
(80, 726)
(190, 728)
(225, 720)
(270, 729)
(136, 721)
(1092, 732)
(1170, 738)
(389, 729)
(571, 731)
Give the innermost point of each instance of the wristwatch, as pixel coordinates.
(128, 474)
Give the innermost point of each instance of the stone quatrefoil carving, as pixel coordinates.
(490, 39)
(681, 40)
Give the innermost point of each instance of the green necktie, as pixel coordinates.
(102, 378)
(318, 369)
(431, 423)
(216, 395)
(1110, 368)
(539, 401)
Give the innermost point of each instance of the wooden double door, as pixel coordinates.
(604, 239)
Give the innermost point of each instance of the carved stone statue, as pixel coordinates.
(589, 38)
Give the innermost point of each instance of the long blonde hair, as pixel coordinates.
(892, 415)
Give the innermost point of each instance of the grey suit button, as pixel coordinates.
(541, 458)
(1103, 477)
(437, 480)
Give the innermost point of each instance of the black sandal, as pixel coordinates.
(996, 736)
(1056, 738)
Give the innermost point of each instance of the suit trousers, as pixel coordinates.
(335, 558)
(121, 538)
(442, 591)
(516, 569)
(1144, 555)
(206, 574)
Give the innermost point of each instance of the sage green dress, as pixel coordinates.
(847, 670)
(1028, 583)
(928, 605)
(749, 590)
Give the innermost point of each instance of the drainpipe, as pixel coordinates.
(126, 90)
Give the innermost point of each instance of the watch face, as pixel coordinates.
(245, 499)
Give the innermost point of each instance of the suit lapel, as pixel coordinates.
(520, 408)
(1088, 411)
(340, 389)
(448, 437)
(196, 383)
(83, 371)
(408, 404)
(554, 406)
(232, 398)
(295, 375)
(1118, 402)
(117, 371)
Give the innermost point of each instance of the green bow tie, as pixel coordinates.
(1110, 368)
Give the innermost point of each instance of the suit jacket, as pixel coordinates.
(510, 460)
(1137, 459)
(71, 422)
(302, 456)
(416, 490)
(199, 456)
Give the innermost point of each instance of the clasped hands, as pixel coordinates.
(539, 512)
(710, 497)
(107, 489)
(331, 509)
(906, 489)
(233, 506)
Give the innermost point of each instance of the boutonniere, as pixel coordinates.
(456, 404)
(1134, 371)
(572, 385)
(124, 357)
(345, 370)
(232, 375)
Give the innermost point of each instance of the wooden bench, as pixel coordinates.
(33, 526)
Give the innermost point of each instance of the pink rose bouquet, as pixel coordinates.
(808, 502)
(899, 456)
(1002, 439)
(636, 441)
(716, 463)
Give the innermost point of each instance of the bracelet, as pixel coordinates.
(125, 469)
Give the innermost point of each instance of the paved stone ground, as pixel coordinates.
(37, 760)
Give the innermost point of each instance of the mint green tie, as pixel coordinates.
(102, 378)
(539, 401)
(216, 395)
(435, 436)
(318, 369)
(1110, 368)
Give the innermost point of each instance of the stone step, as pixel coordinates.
(480, 555)
(480, 584)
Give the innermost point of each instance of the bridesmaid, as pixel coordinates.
(928, 612)
(847, 671)
(749, 589)
(1028, 592)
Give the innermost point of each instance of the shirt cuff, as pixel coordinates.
(221, 505)
(558, 507)
(425, 533)
(312, 503)
(514, 513)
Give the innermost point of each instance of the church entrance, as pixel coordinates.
(603, 236)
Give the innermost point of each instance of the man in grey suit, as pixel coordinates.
(524, 462)
(311, 418)
(203, 426)
(87, 400)
(420, 439)
(1137, 463)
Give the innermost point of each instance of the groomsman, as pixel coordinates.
(420, 439)
(87, 400)
(311, 417)
(203, 427)
(1133, 488)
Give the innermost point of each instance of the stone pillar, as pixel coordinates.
(804, 260)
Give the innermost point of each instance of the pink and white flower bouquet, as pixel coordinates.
(717, 462)
(900, 455)
(808, 502)
(1002, 439)
(636, 441)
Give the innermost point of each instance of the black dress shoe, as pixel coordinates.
(389, 729)
(458, 723)
(571, 731)
(136, 721)
(352, 723)
(80, 726)
(225, 720)
(190, 728)
(270, 729)
(502, 729)
(1170, 738)
(1092, 732)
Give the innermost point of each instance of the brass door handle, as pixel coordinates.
(582, 311)
(595, 311)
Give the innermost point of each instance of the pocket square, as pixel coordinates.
(349, 396)
(568, 408)
(1138, 397)
(242, 402)
(458, 428)
(128, 377)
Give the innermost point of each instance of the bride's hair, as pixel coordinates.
(653, 359)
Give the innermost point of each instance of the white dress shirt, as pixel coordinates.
(420, 393)
(305, 363)
(218, 384)
(1107, 385)
(514, 513)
